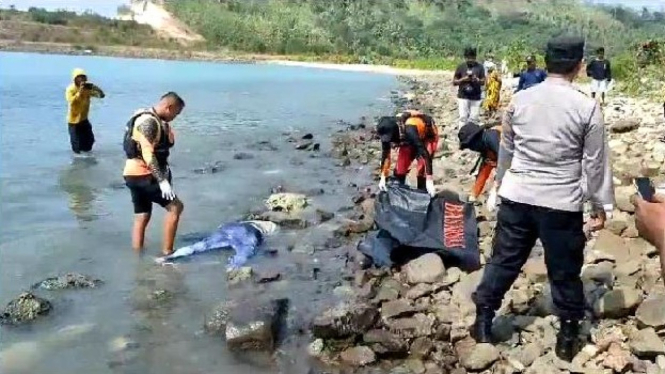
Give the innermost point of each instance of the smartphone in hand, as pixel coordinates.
(645, 188)
(88, 85)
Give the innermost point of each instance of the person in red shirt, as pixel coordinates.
(417, 137)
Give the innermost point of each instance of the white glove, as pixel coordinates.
(429, 185)
(167, 190)
(382, 184)
(492, 200)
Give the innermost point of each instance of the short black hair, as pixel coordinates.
(600, 50)
(175, 97)
(470, 52)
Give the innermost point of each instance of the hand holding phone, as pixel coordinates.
(88, 85)
(645, 188)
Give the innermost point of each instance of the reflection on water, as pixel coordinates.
(74, 180)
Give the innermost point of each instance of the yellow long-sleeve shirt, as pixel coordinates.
(79, 102)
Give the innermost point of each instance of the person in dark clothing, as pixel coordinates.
(553, 158)
(531, 76)
(600, 71)
(485, 141)
(469, 78)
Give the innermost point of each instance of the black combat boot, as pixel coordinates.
(567, 341)
(482, 328)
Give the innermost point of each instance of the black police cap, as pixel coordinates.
(565, 48)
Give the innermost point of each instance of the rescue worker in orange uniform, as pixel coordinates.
(417, 137)
(485, 141)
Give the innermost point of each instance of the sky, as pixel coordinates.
(108, 7)
(104, 7)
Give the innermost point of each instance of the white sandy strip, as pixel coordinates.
(362, 68)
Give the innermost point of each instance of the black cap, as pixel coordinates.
(470, 52)
(565, 48)
(387, 128)
(468, 133)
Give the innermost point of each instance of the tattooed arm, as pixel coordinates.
(147, 130)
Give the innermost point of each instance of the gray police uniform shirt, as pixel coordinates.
(553, 142)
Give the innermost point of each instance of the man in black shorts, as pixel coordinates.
(147, 143)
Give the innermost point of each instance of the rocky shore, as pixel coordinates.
(415, 319)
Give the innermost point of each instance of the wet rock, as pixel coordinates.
(308, 136)
(25, 308)
(213, 168)
(425, 269)
(396, 308)
(315, 349)
(480, 357)
(268, 275)
(650, 312)
(344, 320)
(617, 303)
(286, 202)
(625, 125)
(253, 327)
(243, 156)
(316, 147)
(647, 344)
(304, 145)
(68, 281)
(122, 344)
(358, 356)
(384, 342)
(215, 323)
(323, 216)
(284, 220)
(236, 276)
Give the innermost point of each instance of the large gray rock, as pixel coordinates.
(252, 327)
(425, 269)
(613, 245)
(358, 356)
(384, 342)
(651, 313)
(396, 308)
(647, 344)
(25, 308)
(412, 327)
(617, 303)
(286, 202)
(481, 357)
(345, 320)
(68, 281)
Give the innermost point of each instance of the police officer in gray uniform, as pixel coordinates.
(552, 135)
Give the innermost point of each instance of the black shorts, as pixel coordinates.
(145, 191)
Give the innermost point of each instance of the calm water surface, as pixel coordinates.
(60, 214)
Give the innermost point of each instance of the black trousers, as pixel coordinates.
(518, 228)
(81, 136)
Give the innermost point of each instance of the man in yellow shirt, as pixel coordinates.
(78, 95)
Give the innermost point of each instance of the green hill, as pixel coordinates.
(388, 30)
